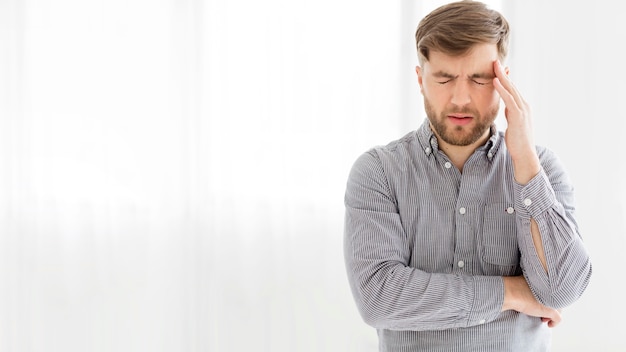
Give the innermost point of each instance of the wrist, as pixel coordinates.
(526, 167)
(510, 287)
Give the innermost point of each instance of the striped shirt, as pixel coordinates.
(426, 246)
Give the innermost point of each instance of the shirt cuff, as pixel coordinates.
(488, 300)
(535, 197)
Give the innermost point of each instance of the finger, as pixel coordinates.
(498, 69)
(507, 83)
(555, 318)
(506, 96)
(551, 323)
(559, 318)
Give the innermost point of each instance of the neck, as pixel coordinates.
(457, 154)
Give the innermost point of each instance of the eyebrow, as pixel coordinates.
(483, 75)
(442, 74)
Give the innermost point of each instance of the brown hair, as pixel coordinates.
(455, 28)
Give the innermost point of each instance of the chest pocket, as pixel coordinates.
(498, 246)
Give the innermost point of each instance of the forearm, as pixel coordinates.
(555, 262)
(525, 169)
(526, 166)
(391, 295)
(537, 242)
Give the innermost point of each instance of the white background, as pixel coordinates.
(172, 171)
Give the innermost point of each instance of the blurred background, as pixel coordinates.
(172, 171)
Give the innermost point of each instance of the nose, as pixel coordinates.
(461, 93)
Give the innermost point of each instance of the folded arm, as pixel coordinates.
(388, 293)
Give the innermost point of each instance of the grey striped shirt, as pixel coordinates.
(426, 246)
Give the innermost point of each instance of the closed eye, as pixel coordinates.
(444, 82)
(480, 83)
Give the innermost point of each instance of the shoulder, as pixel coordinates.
(378, 160)
(395, 150)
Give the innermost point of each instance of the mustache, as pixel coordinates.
(460, 110)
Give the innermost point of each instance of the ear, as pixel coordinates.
(419, 72)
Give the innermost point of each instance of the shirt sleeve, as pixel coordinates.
(549, 199)
(388, 293)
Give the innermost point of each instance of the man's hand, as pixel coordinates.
(518, 297)
(518, 135)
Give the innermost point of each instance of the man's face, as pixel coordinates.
(459, 97)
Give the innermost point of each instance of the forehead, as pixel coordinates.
(479, 59)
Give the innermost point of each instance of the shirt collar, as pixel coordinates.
(429, 145)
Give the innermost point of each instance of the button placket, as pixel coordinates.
(461, 251)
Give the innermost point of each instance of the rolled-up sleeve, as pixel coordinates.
(389, 293)
(549, 199)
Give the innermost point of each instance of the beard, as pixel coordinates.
(458, 135)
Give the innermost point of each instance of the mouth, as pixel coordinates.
(460, 119)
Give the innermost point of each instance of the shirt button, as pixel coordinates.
(461, 264)
(482, 321)
(527, 202)
(462, 210)
(427, 150)
(447, 165)
(490, 155)
(510, 210)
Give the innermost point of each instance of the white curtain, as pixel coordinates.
(172, 171)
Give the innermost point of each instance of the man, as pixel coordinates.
(459, 237)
